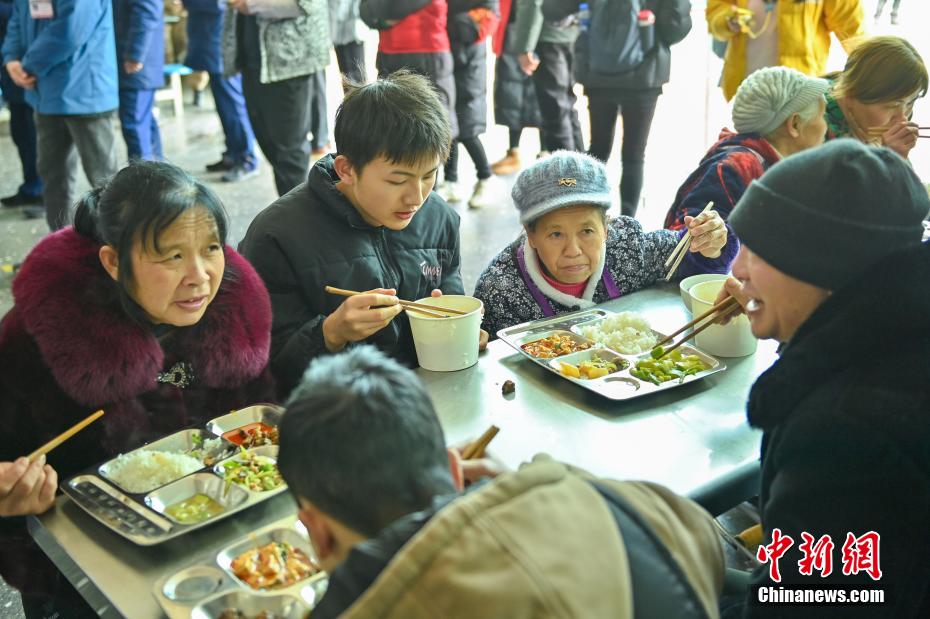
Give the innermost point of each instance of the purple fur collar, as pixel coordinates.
(97, 355)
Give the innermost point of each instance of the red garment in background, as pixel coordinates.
(421, 32)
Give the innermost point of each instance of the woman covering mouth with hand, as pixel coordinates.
(571, 256)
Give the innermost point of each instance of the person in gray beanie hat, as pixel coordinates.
(777, 112)
(832, 266)
(572, 257)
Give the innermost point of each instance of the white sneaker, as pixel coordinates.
(486, 193)
(450, 192)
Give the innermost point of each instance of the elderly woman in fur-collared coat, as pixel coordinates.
(140, 309)
(572, 257)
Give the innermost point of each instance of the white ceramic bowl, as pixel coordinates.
(734, 339)
(447, 344)
(689, 282)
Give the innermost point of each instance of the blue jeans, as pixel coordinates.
(140, 130)
(230, 107)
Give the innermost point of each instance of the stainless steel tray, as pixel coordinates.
(620, 385)
(140, 516)
(208, 586)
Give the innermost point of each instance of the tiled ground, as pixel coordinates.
(688, 117)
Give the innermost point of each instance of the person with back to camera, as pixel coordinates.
(367, 219)
(777, 112)
(872, 99)
(382, 498)
(570, 256)
(832, 267)
(139, 309)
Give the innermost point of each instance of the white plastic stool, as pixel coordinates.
(172, 90)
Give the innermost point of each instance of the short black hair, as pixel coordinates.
(399, 117)
(360, 440)
(140, 202)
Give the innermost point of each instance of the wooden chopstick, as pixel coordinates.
(476, 449)
(681, 249)
(61, 438)
(419, 307)
(723, 314)
(716, 308)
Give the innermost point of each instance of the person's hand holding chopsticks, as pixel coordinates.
(26, 487)
(359, 317)
(901, 137)
(708, 233)
(732, 287)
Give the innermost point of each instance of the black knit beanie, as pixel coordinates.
(826, 214)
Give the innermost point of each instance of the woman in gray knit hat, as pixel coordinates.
(572, 257)
(832, 266)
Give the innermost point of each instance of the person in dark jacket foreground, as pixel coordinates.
(381, 497)
(139, 309)
(832, 266)
(571, 256)
(365, 220)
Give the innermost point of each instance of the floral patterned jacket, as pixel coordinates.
(294, 35)
(634, 259)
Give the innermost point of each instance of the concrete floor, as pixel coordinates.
(688, 118)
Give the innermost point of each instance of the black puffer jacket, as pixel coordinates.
(313, 237)
(673, 23)
(846, 447)
(471, 72)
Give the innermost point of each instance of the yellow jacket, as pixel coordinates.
(804, 29)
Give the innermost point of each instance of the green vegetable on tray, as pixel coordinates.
(257, 473)
(666, 367)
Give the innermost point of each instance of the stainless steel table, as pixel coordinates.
(686, 438)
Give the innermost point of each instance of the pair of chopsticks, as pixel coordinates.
(725, 308)
(410, 306)
(877, 132)
(678, 254)
(476, 450)
(61, 438)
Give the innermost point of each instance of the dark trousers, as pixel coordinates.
(280, 116)
(319, 125)
(62, 140)
(23, 132)
(140, 129)
(230, 107)
(637, 110)
(555, 80)
(351, 60)
(475, 150)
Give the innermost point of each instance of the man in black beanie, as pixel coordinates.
(833, 267)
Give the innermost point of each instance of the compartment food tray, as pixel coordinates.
(620, 385)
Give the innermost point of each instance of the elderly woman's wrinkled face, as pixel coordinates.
(813, 132)
(570, 242)
(175, 283)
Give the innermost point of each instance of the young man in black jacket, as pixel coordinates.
(833, 265)
(364, 220)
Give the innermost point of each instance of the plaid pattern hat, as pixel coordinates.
(565, 178)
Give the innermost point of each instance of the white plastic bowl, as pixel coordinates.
(734, 339)
(689, 282)
(447, 344)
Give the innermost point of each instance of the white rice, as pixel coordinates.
(627, 333)
(143, 470)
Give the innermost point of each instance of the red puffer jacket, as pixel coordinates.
(420, 32)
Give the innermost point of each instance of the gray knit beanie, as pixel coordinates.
(826, 214)
(565, 178)
(768, 97)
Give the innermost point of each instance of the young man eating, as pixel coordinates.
(365, 220)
